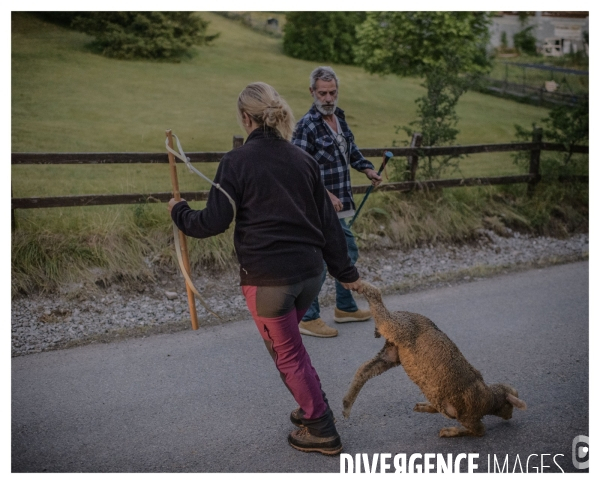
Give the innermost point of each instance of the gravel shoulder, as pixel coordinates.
(79, 316)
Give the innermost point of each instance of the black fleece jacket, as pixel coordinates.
(285, 225)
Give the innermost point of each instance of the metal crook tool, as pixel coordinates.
(387, 156)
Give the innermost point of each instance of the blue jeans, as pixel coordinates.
(343, 297)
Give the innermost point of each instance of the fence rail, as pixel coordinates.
(413, 153)
(215, 156)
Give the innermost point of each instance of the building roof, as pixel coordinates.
(562, 14)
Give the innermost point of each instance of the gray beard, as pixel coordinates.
(326, 110)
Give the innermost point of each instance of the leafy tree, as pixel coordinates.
(322, 36)
(437, 121)
(568, 125)
(146, 35)
(448, 49)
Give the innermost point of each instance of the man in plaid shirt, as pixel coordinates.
(324, 133)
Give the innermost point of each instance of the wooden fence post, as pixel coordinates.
(413, 161)
(13, 220)
(237, 141)
(534, 161)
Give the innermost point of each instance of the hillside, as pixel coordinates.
(66, 98)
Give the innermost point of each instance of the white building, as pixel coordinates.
(557, 33)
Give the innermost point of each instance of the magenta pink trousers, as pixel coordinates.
(284, 342)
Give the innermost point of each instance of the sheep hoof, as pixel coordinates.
(424, 407)
(449, 432)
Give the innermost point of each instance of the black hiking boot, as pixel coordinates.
(303, 440)
(296, 417)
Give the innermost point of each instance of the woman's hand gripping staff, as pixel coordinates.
(178, 236)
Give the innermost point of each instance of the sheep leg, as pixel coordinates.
(476, 429)
(425, 407)
(384, 360)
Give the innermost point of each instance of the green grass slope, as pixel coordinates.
(66, 98)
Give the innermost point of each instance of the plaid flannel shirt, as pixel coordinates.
(313, 136)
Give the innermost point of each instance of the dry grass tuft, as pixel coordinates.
(104, 246)
(131, 245)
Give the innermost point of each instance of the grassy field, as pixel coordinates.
(67, 99)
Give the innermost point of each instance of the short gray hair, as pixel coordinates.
(323, 73)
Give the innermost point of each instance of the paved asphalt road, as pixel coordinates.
(212, 401)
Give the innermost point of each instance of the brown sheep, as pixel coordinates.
(453, 387)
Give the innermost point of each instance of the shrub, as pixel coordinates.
(322, 36)
(568, 125)
(525, 41)
(143, 35)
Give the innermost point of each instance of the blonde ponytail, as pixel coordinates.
(267, 108)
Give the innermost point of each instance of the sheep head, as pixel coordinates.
(505, 399)
(371, 293)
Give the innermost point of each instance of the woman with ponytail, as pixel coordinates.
(285, 225)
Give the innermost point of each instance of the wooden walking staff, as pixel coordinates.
(182, 239)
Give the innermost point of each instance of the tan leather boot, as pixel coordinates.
(318, 328)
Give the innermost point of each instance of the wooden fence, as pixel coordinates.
(413, 152)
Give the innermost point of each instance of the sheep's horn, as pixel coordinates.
(516, 402)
